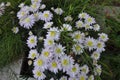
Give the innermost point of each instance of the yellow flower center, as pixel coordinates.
(74, 69)
(58, 50)
(84, 70)
(52, 33)
(89, 19)
(46, 15)
(82, 78)
(27, 20)
(32, 40)
(50, 42)
(78, 48)
(46, 54)
(38, 73)
(99, 45)
(65, 62)
(40, 62)
(77, 36)
(33, 55)
(54, 64)
(90, 43)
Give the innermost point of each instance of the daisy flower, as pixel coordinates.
(98, 70)
(82, 77)
(30, 33)
(96, 27)
(32, 41)
(40, 63)
(23, 13)
(49, 42)
(103, 37)
(78, 36)
(59, 50)
(27, 22)
(54, 66)
(46, 16)
(58, 11)
(38, 74)
(95, 55)
(66, 27)
(33, 54)
(90, 20)
(46, 53)
(91, 77)
(53, 33)
(87, 26)
(84, 69)
(100, 46)
(79, 24)
(63, 78)
(48, 25)
(90, 43)
(83, 15)
(34, 7)
(66, 62)
(15, 30)
(77, 49)
(74, 70)
(36, 16)
(68, 18)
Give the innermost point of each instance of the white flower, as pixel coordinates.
(34, 7)
(52, 79)
(88, 27)
(96, 27)
(43, 6)
(98, 70)
(100, 46)
(58, 11)
(54, 66)
(36, 1)
(79, 24)
(2, 8)
(77, 48)
(46, 16)
(90, 20)
(78, 36)
(103, 37)
(66, 27)
(32, 41)
(59, 50)
(74, 70)
(27, 22)
(63, 78)
(95, 55)
(91, 77)
(48, 25)
(36, 16)
(40, 63)
(33, 54)
(73, 78)
(15, 30)
(46, 53)
(68, 18)
(21, 5)
(83, 15)
(84, 69)
(66, 62)
(53, 33)
(23, 13)
(90, 43)
(38, 74)
(82, 77)
(49, 42)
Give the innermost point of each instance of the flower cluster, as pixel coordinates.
(61, 42)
